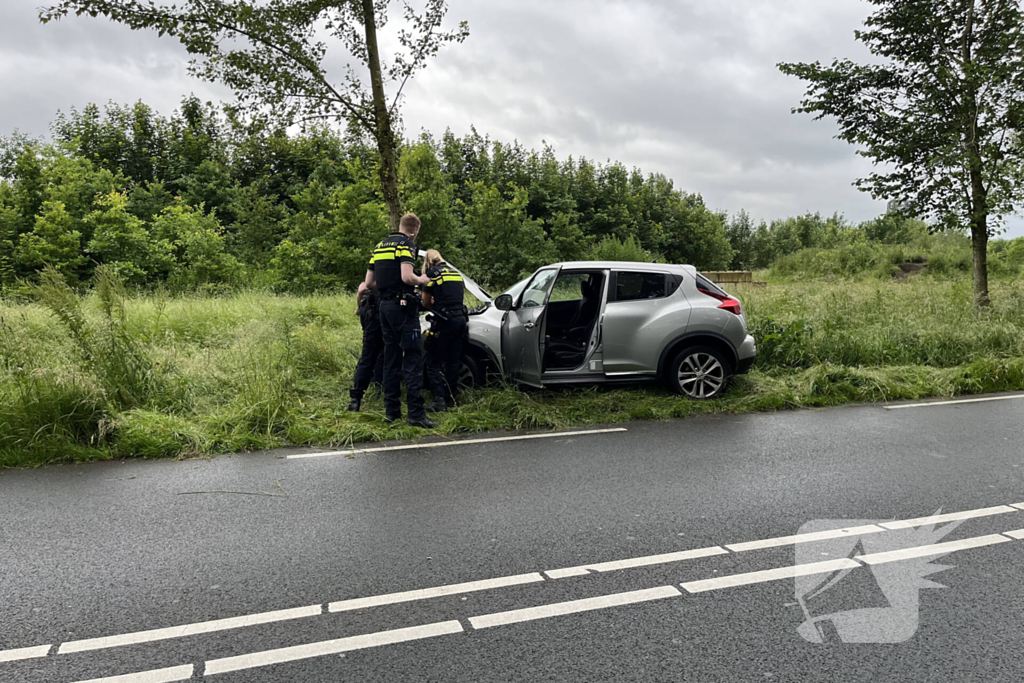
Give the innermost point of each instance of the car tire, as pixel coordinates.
(699, 372)
(471, 374)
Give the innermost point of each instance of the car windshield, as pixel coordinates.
(517, 289)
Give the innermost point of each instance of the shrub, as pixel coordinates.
(199, 248)
(122, 241)
(53, 242)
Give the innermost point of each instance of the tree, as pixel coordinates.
(197, 241)
(53, 242)
(940, 115)
(271, 53)
(121, 241)
(507, 244)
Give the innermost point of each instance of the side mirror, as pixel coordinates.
(503, 302)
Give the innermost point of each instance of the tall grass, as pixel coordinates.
(154, 376)
(947, 256)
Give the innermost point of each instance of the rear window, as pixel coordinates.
(636, 286)
(709, 287)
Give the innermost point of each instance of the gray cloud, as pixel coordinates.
(687, 88)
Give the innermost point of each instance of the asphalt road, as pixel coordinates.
(119, 549)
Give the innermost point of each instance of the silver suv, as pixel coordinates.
(588, 322)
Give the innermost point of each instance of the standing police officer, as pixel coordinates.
(444, 295)
(371, 361)
(391, 272)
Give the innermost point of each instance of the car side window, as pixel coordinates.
(639, 286)
(536, 293)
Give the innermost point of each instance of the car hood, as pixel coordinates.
(471, 286)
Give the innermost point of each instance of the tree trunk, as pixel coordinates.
(979, 242)
(979, 193)
(979, 232)
(383, 133)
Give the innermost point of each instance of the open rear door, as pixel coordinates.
(522, 331)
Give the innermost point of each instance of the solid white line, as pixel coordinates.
(953, 403)
(455, 442)
(24, 653)
(177, 673)
(573, 607)
(189, 629)
(804, 538)
(936, 549)
(636, 562)
(949, 517)
(330, 647)
(439, 591)
(1018, 534)
(768, 575)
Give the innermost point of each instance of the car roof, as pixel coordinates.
(625, 265)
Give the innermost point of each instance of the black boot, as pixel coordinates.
(438, 406)
(353, 405)
(425, 423)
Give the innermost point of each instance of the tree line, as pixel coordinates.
(207, 198)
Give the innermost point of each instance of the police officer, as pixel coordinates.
(391, 273)
(444, 295)
(371, 361)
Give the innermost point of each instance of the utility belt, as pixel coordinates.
(409, 300)
(453, 311)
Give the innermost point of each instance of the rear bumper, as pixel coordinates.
(747, 354)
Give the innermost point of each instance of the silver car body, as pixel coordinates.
(630, 340)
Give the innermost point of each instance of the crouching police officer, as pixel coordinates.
(444, 295)
(371, 361)
(391, 273)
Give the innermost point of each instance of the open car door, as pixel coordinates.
(522, 331)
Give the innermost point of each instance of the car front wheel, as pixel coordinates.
(699, 372)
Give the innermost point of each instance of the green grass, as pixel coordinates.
(176, 377)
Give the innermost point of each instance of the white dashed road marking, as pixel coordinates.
(573, 607)
(24, 653)
(1018, 534)
(804, 538)
(177, 673)
(734, 580)
(949, 517)
(330, 647)
(426, 593)
(189, 629)
(635, 562)
(936, 549)
(456, 442)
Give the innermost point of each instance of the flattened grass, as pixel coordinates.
(252, 371)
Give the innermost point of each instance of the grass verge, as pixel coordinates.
(252, 371)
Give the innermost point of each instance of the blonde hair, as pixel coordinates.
(432, 258)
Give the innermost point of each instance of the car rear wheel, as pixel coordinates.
(699, 372)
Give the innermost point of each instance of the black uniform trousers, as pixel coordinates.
(403, 359)
(444, 358)
(371, 361)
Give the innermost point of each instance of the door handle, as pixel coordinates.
(529, 326)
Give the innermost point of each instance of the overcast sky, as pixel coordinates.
(687, 88)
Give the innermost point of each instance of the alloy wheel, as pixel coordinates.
(701, 375)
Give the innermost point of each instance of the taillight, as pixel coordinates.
(731, 305)
(728, 303)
